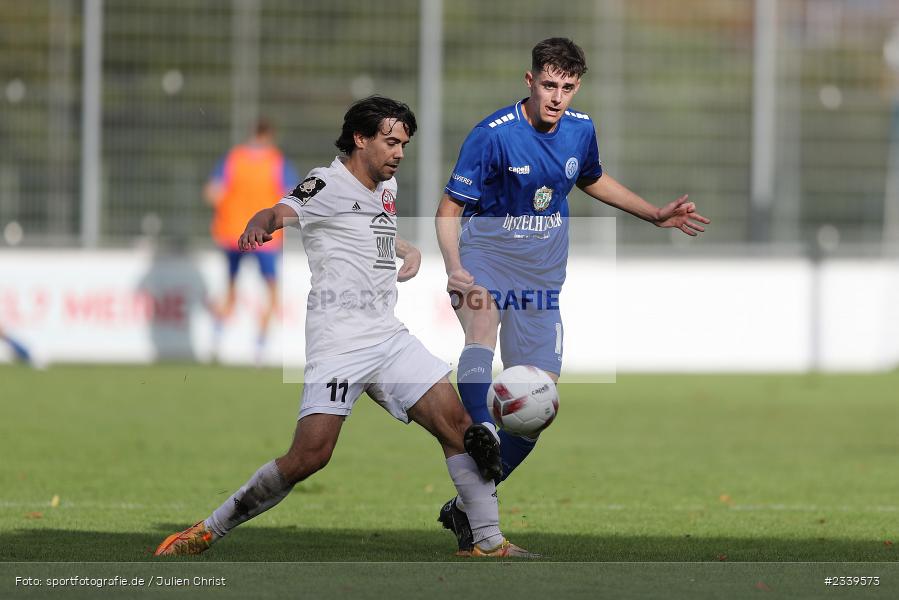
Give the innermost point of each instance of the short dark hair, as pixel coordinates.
(561, 54)
(365, 116)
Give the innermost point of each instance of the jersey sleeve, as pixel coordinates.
(592, 165)
(310, 199)
(477, 159)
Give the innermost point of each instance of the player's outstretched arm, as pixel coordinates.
(411, 260)
(263, 224)
(680, 214)
(448, 226)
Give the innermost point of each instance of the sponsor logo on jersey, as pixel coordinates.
(389, 201)
(384, 229)
(307, 189)
(356, 206)
(461, 179)
(571, 167)
(386, 247)
(542, 198)
(538, 223)
(525, 170)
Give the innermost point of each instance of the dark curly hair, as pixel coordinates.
(365, 116)
(561, 54)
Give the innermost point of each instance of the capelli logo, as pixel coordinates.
(525, 170)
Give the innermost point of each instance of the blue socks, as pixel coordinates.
(513, 450)
(473, 375)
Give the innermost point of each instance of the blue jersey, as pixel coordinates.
(520, 178)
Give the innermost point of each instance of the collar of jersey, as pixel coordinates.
(341, 168)
(525, 123)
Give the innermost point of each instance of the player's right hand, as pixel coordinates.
(459, 280)
(681, 214)
(252, 238)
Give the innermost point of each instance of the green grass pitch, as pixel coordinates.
(775, 468)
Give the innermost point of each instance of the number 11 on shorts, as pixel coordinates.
(333, 385)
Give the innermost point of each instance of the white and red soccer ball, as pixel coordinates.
(523, 400)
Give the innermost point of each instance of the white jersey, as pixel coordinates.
(349, 234)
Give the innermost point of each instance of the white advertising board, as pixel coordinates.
(647, 315)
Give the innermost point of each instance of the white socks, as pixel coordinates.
(478, 496)
(265, 489)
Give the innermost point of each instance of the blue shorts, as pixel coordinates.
(531, 330)
(268, 261)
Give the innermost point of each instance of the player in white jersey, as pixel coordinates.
(354, 342)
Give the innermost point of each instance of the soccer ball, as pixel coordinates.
(523, 400)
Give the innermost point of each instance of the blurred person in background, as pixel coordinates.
(251, 177)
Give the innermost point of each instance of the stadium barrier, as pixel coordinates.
(636, 315)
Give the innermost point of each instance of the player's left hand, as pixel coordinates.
(682, 215)
(411, 264)
(252, 238)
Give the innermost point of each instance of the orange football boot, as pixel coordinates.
(193, 540)
(505, 550)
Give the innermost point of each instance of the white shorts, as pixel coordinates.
(395, 373)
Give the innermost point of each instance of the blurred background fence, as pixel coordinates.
(777, 116)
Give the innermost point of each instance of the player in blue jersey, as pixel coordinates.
(510, 187)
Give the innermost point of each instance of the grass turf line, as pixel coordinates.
(653, 468)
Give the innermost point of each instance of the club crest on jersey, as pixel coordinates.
(542, 198)
(389, 201)
(306, 190)
(571, 167)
